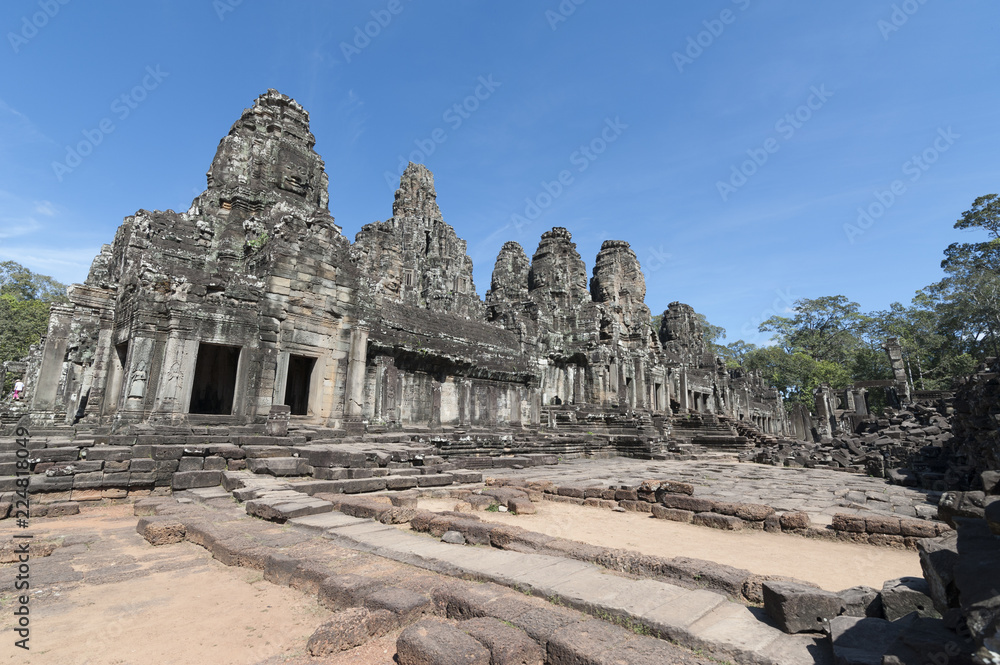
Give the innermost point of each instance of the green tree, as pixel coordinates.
(826, 328)
(713, 335)
(983, 255)
(25, 298)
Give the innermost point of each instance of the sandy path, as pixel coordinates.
(831, 565)
(138, 604)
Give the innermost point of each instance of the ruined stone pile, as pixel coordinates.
(977, 419)
(908, 446)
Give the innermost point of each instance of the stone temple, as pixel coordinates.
(254, 298)
(261, 387)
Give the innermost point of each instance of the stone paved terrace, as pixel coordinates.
(819, 492)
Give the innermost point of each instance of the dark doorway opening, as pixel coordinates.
(297, 382)
(215, 379)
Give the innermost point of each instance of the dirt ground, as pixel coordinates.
(108, 597)
(831, 565)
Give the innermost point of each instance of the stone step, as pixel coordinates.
(697, 619)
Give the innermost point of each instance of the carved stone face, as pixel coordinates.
(292, 172)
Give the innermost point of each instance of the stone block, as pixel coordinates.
(507, 645)
(794, 520)
(339, 592)
(861, 601)
(861, 641)
(717, 521)
(463, 477)
(115, 479)
(938, 557)
(907, 594)
(581, 643)
(163, 453)
(408, 606)
(434, 480)
(798, 608)
(960, 504)
(362, 485)
(431, 642)
(521, 506)
(882, 524)
(63, 508)
(329, 473)
(637, 506)
(626, 495)
(848, 523)
(348, 629)
(142, 465)
(672, 514)
(88, 480)
(72, 468)
(572, 492)
(39, 483)
(752, 512)
(917, 528)
(161, 530)
(191, 464)
(403, 500)
(686, 502)
(185, 480)
(63, 454)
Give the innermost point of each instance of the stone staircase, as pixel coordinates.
(708, 433)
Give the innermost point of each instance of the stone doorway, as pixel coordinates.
(215, 379)
(297, 383)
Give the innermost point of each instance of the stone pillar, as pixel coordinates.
(464, 387)
(277, 420)
(640, 384)
(53, 354)
(861, 402)
(177, 373)
(895, 353)
(684, 395)
(354, 391)
(435, 420)
(137, 385)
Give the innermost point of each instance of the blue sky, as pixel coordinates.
(648, 111)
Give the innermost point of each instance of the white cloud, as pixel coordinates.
(11, 227)
(17, 129)
(46, 208)
(66, 265)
